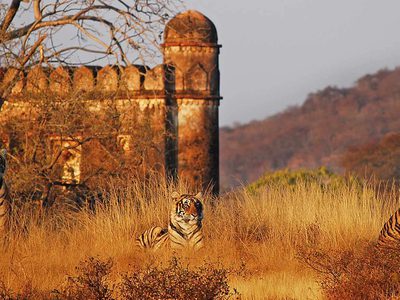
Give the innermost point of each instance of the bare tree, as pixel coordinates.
(66, 31)
(70, 33)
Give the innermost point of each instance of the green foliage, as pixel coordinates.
(287, 178)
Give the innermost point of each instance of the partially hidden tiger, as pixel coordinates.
(389, 237)
(184, 229)
(5, 205)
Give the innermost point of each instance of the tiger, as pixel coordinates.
(389, 236)
(153, 238)
(4, 194)
(185, 226)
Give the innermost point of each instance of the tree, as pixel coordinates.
(120, 31)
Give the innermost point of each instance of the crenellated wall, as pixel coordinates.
(172, 107)
(131, 80)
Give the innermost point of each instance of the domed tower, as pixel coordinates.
(191, 49)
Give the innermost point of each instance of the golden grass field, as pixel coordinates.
(262, 231)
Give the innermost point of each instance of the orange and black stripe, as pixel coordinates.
(4, 194)
(389, 236)
(184, 229)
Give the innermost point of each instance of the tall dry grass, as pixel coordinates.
(262, 231)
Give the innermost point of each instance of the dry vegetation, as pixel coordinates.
(263, 243)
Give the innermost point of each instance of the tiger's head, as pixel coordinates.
(187, 209)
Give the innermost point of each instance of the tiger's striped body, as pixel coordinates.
(184, 229)
(4, 196)
(152, 238)
(4, 207)
(389, 236)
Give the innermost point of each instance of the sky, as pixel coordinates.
(276, 52)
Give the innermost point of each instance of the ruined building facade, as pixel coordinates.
(176, 102)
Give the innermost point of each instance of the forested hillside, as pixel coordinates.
(319, 132)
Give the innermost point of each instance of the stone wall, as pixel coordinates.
(126, 105)
(164, 118)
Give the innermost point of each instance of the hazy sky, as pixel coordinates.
(275, 52)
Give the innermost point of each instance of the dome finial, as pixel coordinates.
(190, 27)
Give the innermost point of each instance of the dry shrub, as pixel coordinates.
(90, 283)
(27, 292)
(176, 281)
(366, 273)
(5, 292)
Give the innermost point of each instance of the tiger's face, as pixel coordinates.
(188, 209)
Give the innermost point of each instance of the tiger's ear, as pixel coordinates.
(199, 196)
(175, 195)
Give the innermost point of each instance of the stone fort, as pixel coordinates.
(178, 100)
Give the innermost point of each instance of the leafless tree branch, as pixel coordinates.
(9, 16)
(128, 30)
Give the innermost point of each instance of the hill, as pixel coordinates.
(319, 132)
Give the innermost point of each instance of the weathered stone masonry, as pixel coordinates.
(180, 97)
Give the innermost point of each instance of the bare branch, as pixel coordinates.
(12, 11)
(33, 50)
(36, 9)
(123, 31)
